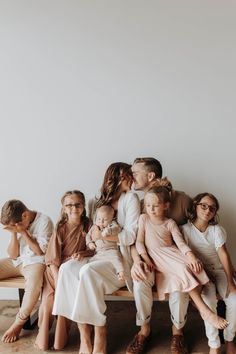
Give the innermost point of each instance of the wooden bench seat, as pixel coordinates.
(19, 283)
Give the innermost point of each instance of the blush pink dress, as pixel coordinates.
(165, 245)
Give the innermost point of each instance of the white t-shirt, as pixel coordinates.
(205, 244)
(41, 230)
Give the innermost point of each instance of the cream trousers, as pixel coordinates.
(33, 275)
(209, 297)
(178, 303)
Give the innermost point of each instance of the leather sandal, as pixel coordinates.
(137, 345)
(178, 345)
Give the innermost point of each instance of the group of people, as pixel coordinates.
(167, 239)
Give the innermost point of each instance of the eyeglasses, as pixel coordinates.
(205, 206)
(76, 205)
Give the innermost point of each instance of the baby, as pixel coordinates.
(102, 237)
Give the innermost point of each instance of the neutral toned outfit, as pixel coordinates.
(29, 265)
(62, 245)
(107, 250)
(178, 301)
(205, 245)
(165, 245)
(81, 287)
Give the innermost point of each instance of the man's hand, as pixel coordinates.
(139, 271)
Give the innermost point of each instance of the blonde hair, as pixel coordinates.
(162, 182)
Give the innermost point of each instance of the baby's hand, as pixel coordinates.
(92, 246)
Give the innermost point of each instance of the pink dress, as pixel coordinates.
(165, 245)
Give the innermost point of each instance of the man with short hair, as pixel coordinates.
(30, 232)
(147, 171)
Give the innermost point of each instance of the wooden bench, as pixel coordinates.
(19, 283)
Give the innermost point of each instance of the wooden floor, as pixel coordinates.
(121, 328)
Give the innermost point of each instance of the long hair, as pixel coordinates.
(64, 218)
(114, 175)
(197, 200)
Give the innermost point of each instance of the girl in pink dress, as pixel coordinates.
(161, 245)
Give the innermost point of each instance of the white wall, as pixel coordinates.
(87, 83)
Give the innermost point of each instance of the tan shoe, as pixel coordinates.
(137, 345)
(178, 345)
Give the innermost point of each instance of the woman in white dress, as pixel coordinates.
(82, 285)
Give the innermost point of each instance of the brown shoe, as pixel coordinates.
(137, 345)
(178, 345)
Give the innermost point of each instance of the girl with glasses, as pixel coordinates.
(81, 289)
(161, 245)
(207, 239)
(67, 242)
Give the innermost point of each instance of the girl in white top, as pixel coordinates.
(207, 239)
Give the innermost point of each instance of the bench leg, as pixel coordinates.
(221, 312)
(33, 318)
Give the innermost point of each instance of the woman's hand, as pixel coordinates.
(95, 233)
(194, 263)
(77, 257)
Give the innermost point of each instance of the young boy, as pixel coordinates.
(101, 239)
(30, 232)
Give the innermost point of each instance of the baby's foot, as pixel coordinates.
(12, 334)
(214, 320)
(121, 276)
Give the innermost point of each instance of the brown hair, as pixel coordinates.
(114, 175)
(197, 200)
(63, 219)
(12, 211)
(151, 165)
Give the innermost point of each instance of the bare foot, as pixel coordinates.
(12, 334)
(85, 339)
(230, 347)
(145, 330)
(214, 320)
(100, 340)
(214, 351)
(38, 348)
(121, 276)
